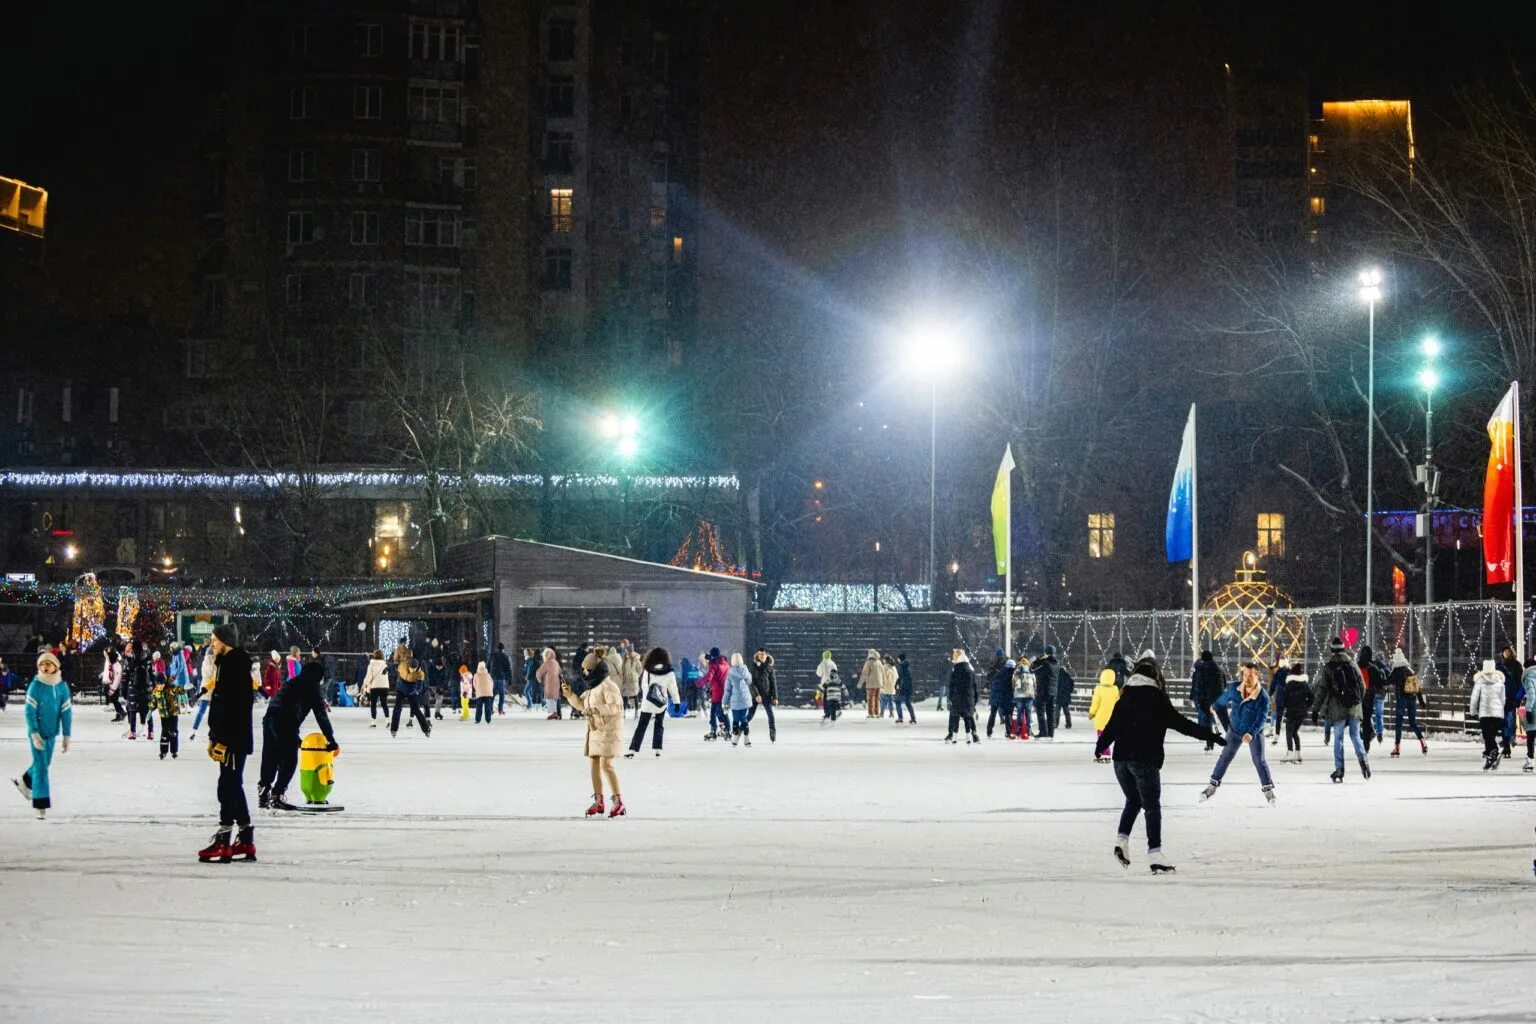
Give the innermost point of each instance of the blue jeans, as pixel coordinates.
(1023, 709)
(1407, 704)
(1509, 730)
(1379, 717)
(887, 703)
(202, 709)
(501, 694)
(1351, 726)
(740, 721)
(1228, 752)
(532, 689)
(904, 701)
(717, 714)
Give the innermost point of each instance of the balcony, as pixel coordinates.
(435, 132)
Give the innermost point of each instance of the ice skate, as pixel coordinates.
(1423, 747)
(1158, 863)
(263, 797)
(42, 814)
(596, 810)
(1338, 775)
(711, 736)
(280, 803)
(947, 739)
(1209, 791)
(773, 734)
(244, 846)
(219, 850)
(373, 725)
(22, 788)
(618, 807)
(1395, 751)
(1365, 769)
(735, 739)
(1123, 851)
(658, 753)
(1269, 795)
(629, 756)
(1530, 765)
(746, 740)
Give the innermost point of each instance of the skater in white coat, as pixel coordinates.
(1487, 706)
(658, 691)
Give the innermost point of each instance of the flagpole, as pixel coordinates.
(1008, 566)
(1194, 529)
(1519, 535)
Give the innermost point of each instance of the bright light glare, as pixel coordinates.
(629, 446)
(631, 425)
(70, 551)
(608, 426)
(1370, 285)
(932, 347)
(1431, 347)
(1429, 378)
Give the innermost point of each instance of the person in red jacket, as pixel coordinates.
(714, 678)
(272, 676)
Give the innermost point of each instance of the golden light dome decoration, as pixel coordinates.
(1253, 618)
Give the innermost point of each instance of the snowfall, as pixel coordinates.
(860, 872)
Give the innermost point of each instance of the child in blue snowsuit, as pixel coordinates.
(48, 717)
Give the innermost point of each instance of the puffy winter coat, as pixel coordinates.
(1487, 695)
(1528, 682)
(1047, 679)
(825, 669)
(962, 687)
(1297, 698)
(1206, 683)
(887, 680)
(413, 682)
(1140, 722)
(229, 706)
(548, 676)
(377, 676)
(1511, 671)
(485, 686)
(765, 682)
(603, 706)
(1065, 685)
(668, 683)
(714, 678)
(1023, 684)
(1329, 707)
(871, 673)
(1248, 716)
(903, 679)
(1105, 695)
(738, 688)
(629, 676)
(1000, 681)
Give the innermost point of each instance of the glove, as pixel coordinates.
(65, 744)
(218, 752)
(37, 741)
(333, 747)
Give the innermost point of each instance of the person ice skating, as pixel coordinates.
(1000, 674)
(485, 694)
(7, 682)
(205, 688)
(1120, 667)
(824, 668)
(603, 707)
(49, 716)
(1297, 698)
(739, 700)
(466, 690)
(1248, 705)
(299, 697)
(376, 686)
(629, 676)
(549, 678)
(112, 683)
(165, 701)
(1047, 689)
(830, 689)
(1404, 683)
(963, 695)
(714, 680)
(887, 686)
(765, 688)
(1023, 698)
(1137, 730)
(1105, 696)
(271, 674)
(700, 684)
(412, 683)
(1510, 669)
(136, 686)
(1277, 679)
(870, 675)
(1206, 683)
(658, 690)
(533, 693)
(176, 669)
(1487, 706)
(903, 690)
(501, 675)
(1066, 686)
(229, 744)
(1373, 684)
(1337, 695)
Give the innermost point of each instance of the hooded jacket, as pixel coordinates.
(1206, 683)
(603, 707)
(1487, 699)
(377, 677)
(738, 688)
(1140, 722)
(714, 678)
(1047, 678)
(903, 678)
(1000, 680)
(667, 680)
(1297, 698)
(871, 673)
(1105, 696)
(548, 675)
(485, 686)
(962, 687)
(1509, 668)
(765, 682)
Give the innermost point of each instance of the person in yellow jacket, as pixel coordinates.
(1105, 695)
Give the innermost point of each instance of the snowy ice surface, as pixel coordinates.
(864, 872)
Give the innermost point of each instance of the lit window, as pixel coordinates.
(1317, 205)
(561, 218)
(1314, 143)
(1271, 533)
(677, 248)
(1101, 534)
(658, 216)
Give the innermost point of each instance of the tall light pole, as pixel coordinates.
(932, 349)
(1429, 379)
(1370, 294)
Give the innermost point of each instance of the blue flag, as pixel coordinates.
(1180, 533)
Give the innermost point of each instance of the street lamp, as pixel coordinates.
(1370, 294)
(623, 432)
(932, 350)
(1429, 379)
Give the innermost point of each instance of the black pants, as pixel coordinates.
(1046, 708)
(1003, 711)
(117, 706)
(1142, 785)
(1493, 734)
(401, 700)
(1065, 707)
(832, 709)
(170, 738)
(1293, 734)
(375, 699)
(279, 753)
(233, 809)
(137, 716)
(958, 715)
(645, 720)
(767, 707)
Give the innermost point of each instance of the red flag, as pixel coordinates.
(1499, 494)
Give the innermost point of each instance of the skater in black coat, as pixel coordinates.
(280, 726)
(230, 743)
(962, 696)
(1136, 729)
(1291, 706)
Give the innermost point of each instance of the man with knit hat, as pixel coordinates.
(233, 693)
(1336, 696)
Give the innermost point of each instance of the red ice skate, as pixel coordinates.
(618, 807)
(596, 810)
(244, 846)
(219, 850)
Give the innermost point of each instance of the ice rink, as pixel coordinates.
(865, 872)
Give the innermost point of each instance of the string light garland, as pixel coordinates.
(702, 552)
(375, 479)
(850, 597)
(250, 597)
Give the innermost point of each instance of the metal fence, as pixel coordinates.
(1443, 641)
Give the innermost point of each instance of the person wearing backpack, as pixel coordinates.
(658, 691)
(1337, 696)
(1487, 706)
(1405, 684)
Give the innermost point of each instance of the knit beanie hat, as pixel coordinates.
(48, 657)
(227, 634)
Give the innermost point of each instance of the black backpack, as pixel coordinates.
(1344, 683)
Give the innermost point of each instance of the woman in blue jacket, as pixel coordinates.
(49, 716)
(1248, 705)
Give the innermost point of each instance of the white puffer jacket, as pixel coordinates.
(377, 677)
(668, 683)
(1487, 695)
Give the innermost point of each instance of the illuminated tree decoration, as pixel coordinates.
(1255, 616)
(702, 552)
(88, 623)
(127, 611)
